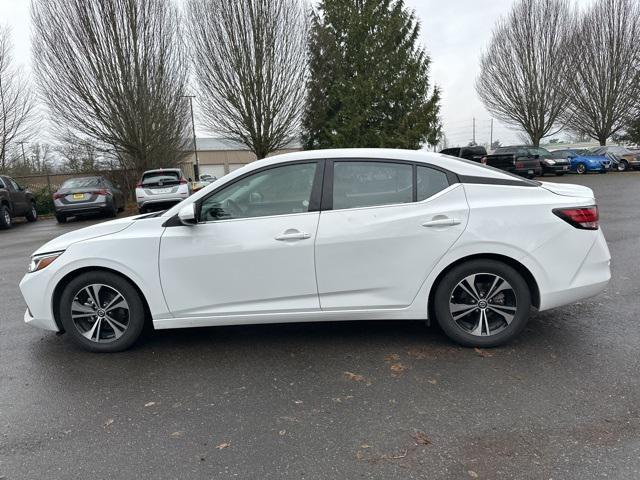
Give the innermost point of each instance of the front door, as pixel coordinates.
(389, 224)
(252, 250)
(18, 197)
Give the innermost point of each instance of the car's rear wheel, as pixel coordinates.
(482, 303)
(623, 166)
(32, 214)
(61, 218)
(102, 312)
(5, 217)
(581, 168)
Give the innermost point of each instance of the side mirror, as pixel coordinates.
(187, 215)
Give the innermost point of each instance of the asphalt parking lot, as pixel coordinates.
(341, 400)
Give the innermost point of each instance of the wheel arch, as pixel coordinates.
(515, 264)
(64, 281)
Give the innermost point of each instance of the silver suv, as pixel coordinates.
(162, 188)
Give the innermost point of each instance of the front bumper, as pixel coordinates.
(37, 293)
(556, 168)
(44, 323)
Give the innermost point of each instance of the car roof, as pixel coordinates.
(456, 165)
(160, 170)
(459, 166)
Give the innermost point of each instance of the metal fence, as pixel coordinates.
(52, 181)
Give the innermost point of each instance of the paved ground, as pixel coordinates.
(562, 402)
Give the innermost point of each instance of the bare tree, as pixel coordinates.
(525, 68)
(113, 72)
(250, 61)
(604, 85)
(16, 101)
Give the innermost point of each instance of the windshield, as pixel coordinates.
(89, 182)
(161, 178)
(539, 151)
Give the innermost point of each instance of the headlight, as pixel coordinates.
(550, 162)
(38, 262)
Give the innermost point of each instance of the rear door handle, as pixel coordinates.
(292, 235)
(442, 222)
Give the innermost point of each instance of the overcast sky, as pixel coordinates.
(454, 32)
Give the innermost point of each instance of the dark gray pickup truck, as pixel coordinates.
(15, 201)
(520, 159)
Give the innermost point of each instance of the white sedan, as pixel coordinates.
(358, 234)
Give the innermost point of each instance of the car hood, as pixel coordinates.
(568, 189)
(106, 228)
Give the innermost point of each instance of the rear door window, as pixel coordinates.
(366, 184)
(429, 182)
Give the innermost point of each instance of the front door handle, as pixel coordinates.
(292, 234)
(442, 222)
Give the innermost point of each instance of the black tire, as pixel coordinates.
(61, 218)
(142, 211)
(581, 169)
(623, 166)
(447, 288)
(136, 311)
(112, 211)
(5, 217)
(32, 215)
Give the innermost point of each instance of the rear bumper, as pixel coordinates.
(591, 278)
(83, 209)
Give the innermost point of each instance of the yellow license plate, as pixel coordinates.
(78, 196)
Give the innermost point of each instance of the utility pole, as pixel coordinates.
(24, 157)
(474, 130)
(193, 130)
(491, 141)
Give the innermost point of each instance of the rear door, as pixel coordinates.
(383, 227)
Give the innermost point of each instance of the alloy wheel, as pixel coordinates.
(581, 168)
(483, 304)
(100, 313)
(7, 217)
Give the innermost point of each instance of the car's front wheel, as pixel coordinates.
(102, 312)
(623, 166)
(581, 169)
(482, 303)
(5, 217)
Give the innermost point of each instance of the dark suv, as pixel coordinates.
(15, 201)
(475, 154)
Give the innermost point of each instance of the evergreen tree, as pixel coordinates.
(369, 79)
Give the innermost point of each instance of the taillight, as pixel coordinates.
(584, 218)
(519, 165)
(139, 185)
(483, 160)
(57, 195)
(183, 181)
(102, 191)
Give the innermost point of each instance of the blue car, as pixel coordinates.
(583, 161)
